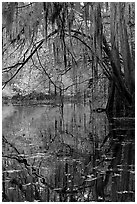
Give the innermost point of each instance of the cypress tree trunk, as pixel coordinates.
(110, 103)
(117, 105)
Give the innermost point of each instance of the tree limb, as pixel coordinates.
(29, 57)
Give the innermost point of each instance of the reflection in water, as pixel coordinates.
(50, 154)
(122, 163)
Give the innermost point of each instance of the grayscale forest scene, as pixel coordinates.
(68, 101)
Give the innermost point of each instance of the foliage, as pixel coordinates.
(76, 41)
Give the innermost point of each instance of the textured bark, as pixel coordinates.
(110, 103)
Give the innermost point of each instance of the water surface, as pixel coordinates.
(53, 153)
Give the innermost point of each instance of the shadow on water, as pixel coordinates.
(67, 154)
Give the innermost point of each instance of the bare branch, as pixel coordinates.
(19, 7)
(23, 63)
(46, 72)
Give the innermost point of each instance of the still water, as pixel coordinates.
(53, 153)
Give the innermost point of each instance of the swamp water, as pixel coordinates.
(57, 154)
